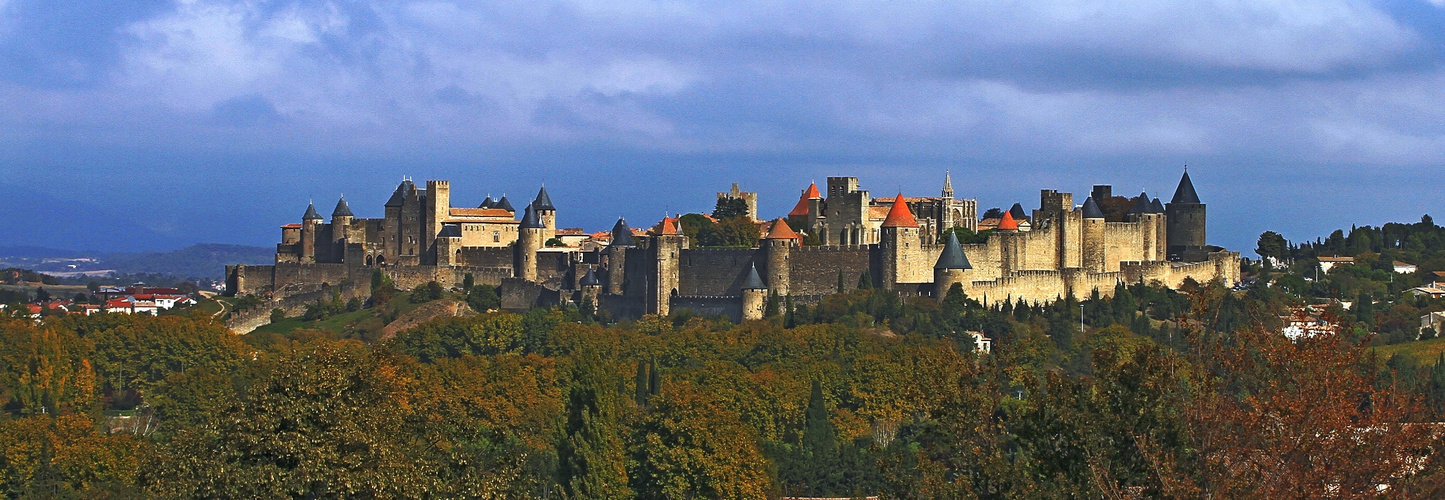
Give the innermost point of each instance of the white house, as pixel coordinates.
(1327, 263)
(1405, 268)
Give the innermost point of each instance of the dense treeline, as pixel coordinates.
(1379, 296)
(1160, 393)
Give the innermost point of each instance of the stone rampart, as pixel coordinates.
(718, 305)
(717, 271)
(243, 322)
(814, 269)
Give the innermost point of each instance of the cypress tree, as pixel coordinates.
(840, 282)
(640, 392)
(592, 461)
(865, 282)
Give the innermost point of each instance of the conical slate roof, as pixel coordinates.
(1141, 204)
(1185, 193)
(342, 209)
(311, 212)
(530, 219)
(1018, 212)
(487, 203)
(1091, 209)
(543, 202)
(753, 281)
(621, 235)
(899, 215)
(505, 205)
(1156, 207)
(952, 257)
(590, 279)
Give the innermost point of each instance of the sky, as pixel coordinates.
(150, 124)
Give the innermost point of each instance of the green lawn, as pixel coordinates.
(1426, 352)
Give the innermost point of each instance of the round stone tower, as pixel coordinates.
(547, 213)
(309, 223)
(341, 219)
(1185, 220)
(529, 241)
(898, 244)
(779, 244)
(755, 295)
(951, 268)
(617, 257)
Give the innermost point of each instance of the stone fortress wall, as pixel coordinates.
(1065, 249)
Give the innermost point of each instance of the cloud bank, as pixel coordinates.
(249, 108)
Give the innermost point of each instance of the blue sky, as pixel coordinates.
(151, 124)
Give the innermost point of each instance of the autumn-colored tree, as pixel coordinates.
(689, 446)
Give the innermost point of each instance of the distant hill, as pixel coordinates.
(196, 261)
(199, 261)
(36, 219)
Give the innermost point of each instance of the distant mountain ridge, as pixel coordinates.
(207, 260)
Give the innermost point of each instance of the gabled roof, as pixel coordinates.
(1185, 192)
(342, 209)
(543, 202)
(1007, 223)
(952, 256)
(504, 204)
(899, 215)
(530, 219)
(1141, 204)
(1018, 212)
(781, 231)
(669, 226)
(753, 281)
(1091, 209)
(590, 279)
(621, 234)
(311, 212)
(450, 231)
(1156, 207)
(808, 194)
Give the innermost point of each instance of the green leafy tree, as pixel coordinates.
(592, 457)
(1272, 245)
(728, 208)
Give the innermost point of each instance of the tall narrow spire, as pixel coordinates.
(947, 184)
(1185, 193)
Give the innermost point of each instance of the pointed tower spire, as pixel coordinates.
(899, 215)
(311, 212)
(1141, 204)
(621, 235)
(543, 202)
(1185, 192)
(947, 184)
(1007, 223)
(342, 209)
(1091, 209)
(753, 281)
(530, 219)
(952, 256)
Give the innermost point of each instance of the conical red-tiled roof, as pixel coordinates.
(1007, 223)
(808, 194)
(781, 231)
(900, 216)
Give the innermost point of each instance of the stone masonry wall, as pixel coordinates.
(717, 271)
(814, 269)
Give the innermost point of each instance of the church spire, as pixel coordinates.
(947, 184)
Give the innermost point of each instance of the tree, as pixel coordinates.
(277, 315)
(689, 445)
(42, 295)
(467, 282)
(865, 281)
(728, 208)
(1272, 248)
(483, 298)
(592, 457)
(993, 213)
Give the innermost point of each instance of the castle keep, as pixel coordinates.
(904, 244)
